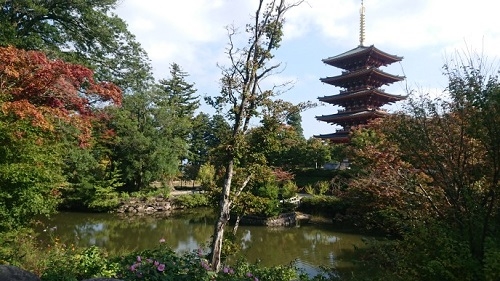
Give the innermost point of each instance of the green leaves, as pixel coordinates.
(79, 31)
(153, 129)
(30, 176)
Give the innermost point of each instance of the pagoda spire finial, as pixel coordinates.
(361, 24)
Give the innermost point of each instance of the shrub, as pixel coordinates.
(192, 200)
(268, 190)
(322, 187)
(326, 205)
(309, 189)
(70, 264)
(290, 189)
(151, 192)
(163, 264)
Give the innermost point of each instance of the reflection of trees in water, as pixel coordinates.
(187, 231)
(284, 245)
(121, 233)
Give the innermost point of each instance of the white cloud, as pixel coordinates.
(192, 34)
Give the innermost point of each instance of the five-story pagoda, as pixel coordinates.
(361, 79)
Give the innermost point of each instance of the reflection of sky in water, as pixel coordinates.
(308, 246)
(187, 246)
(246, 239)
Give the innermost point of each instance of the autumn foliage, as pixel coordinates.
(44, 91)
(47, 111)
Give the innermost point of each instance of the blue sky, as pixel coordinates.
(192, 34)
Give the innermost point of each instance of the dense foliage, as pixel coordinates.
(69, 263)
(430, 175)
(46, 105)
(78, 31)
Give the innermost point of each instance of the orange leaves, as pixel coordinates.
(42, 90)
(24, 110)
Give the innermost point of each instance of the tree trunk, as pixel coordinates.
(224, 207)
(236, 224)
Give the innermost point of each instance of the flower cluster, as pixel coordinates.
(250, 275)
(160, 267)
(205, 265)
(228, 270)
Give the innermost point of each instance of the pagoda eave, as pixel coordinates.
(339, 137)
(372, 94)
(345, 117)
(359, 56)
(371, 76)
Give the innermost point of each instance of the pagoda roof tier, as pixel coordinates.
(362, 56)
(373, 77)
(338, 137)
(357, 117)
(368, 94)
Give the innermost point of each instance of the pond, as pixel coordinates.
(309, 245)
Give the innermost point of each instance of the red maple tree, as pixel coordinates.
(47, 91)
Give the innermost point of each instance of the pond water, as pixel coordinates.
(309, 245)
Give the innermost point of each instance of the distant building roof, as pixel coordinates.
(368, 77)
(360, 56)
(358, 95)
(352, 116)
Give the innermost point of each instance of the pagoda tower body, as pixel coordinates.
(361, 80)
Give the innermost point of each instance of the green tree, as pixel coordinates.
(176, 102)
(207, 134)
(179, 93)
(42, 103)
(241, 96)
(153, 127)
(432, 174)
(144, 151)
(295, 120)
(199, 148)
(279, 142)
(316, 153)
(457, 143)
(78, 31)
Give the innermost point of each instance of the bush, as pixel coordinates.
(427, 253)
(66, 263)
(192, 200)
(325, 205)
(322, 187)
(151, 192)
(290, 189)
(70, 264)
(309, 189)
(268, 190)
(19, 248)
(163, 264)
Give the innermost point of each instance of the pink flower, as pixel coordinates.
(156, 263)
(249, 274)
(162, 240)
(226, 270)
(139, 258)
(205, 265)
(133, 267)
(161, 267)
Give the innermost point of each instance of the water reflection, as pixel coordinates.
(309, 245)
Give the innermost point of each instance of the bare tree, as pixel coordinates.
(241, 96)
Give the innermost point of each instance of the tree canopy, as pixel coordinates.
(78, 31)
(42, 102)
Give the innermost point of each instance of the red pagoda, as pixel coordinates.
(361, 79)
